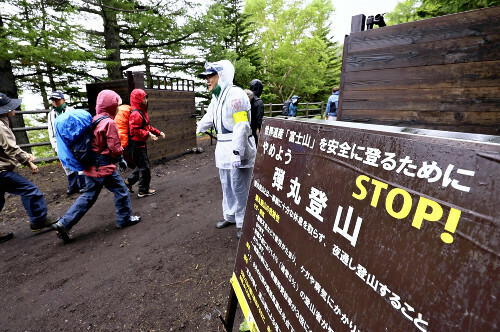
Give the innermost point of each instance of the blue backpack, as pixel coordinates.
(74, 130)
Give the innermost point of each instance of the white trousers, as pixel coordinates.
(235, 186)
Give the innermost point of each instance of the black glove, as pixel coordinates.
(122, 165)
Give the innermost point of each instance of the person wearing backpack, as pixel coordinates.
(332, 105)
(257, 105)
(229, 112)
(76, 180)
(10, 156)
(140, 131)
(290, 106)
(107, 149)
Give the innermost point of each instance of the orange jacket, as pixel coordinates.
(121, 120)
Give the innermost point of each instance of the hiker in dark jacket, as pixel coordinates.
(106, 144)
(257, 108)
(140, 131)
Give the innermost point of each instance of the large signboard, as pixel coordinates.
(360, 229)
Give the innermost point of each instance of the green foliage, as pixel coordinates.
(40, 42)
(65, 44)
(405, 11)
(38, 136)
(227, 34)
(244, 327)
(433, 8)
(297, 57)
(412, 10)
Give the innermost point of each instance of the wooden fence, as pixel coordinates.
(305, 110)
(30, 145)
(171, 110)
(170, 123)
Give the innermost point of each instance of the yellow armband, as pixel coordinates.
(240, 116)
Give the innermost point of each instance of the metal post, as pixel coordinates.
(358, 23)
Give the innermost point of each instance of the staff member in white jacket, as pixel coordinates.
(76, 180)
(229, 112)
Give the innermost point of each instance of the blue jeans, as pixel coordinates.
(31, 196)
(75, 181)
(113, 183)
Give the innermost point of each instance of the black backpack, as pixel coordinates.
(333, 108)
(286, 105)
(82, 148)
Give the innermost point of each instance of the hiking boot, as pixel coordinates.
(70, 192)
(38, 227)
(62, 233)
(6, 236)
(129, 186)
(131, 222)
(150, 192)
(223, 223)
(238, 233)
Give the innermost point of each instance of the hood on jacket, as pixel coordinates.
(107, 102)
(256, 86)
(136, 98)
(225, 70)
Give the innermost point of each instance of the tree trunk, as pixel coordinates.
(112, 42)
(8, 86)
(43, 88)
(149, 79)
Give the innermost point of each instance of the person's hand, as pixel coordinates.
(33, 167)
(32, 157)
(162, 134)
(235, 161)
(153, 136)
(122, 165)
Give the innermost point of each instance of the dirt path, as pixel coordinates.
(170, 272)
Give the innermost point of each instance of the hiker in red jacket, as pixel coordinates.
(140, 131)
(108, 148)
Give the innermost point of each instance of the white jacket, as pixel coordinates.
(51, 118)
(231, 135)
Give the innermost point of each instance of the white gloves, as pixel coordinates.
(235, 161)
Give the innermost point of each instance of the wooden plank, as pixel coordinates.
(456, 99)
(468, 24)
(343, 79)
(470, 49)
(490, 121)
(475, 74)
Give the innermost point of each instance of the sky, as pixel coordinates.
(346, 9)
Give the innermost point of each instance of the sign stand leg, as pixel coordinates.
(230, 311)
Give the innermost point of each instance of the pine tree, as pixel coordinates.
(228, 35)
